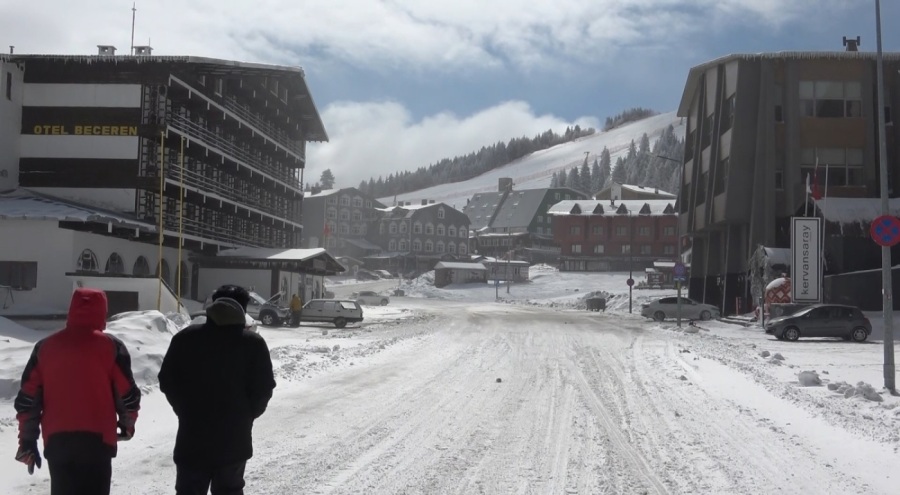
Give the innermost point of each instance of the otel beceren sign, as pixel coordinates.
(85, 130)
(806, 256)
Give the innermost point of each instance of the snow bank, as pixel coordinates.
(146, 334)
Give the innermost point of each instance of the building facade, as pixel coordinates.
(338, 220)
(629, 191)
(209, 151)
(515, 223)
(614, 235)
(413, 237)
(757, 126)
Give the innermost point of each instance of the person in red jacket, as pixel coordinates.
(77, 386)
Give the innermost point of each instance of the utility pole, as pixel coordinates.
(677, 242)
(133, 14)
(508, 256)
(630, 260)
(886, 281)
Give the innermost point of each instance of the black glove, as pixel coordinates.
(28, 454)
(125, 432)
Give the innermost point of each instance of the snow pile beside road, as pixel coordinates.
(861, 389)
(147, 335)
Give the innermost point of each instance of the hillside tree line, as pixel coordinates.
(658, 166)
(465, 167)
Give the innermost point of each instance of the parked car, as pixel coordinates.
(363, 274)
(667, 307)
(267, 311)
(367, 297)
(338, 312)
(822, 320)
(383, 273)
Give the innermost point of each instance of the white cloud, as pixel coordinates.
(368, 140)
(387, 35)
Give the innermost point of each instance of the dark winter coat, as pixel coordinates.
(78, 386)
(217, 376)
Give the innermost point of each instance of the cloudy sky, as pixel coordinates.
(401, 84)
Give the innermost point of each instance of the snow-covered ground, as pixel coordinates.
(473, 389)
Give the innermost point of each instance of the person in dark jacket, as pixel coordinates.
(218, 378)
(78, 386)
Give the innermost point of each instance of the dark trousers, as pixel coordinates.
(225, 480)
(295, 318)
(81, 477)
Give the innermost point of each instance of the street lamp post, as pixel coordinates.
(677, 243)
(630, 260)
(886, 292)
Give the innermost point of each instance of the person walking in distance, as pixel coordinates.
(218, 378)
(79, 388)
(296, 306)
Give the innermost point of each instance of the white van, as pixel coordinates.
(336, 311)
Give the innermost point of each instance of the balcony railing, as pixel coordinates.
(230, 150)
(263, 125)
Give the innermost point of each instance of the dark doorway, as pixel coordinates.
(121, 301)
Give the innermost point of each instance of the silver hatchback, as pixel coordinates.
(822, 320)
(667, 307)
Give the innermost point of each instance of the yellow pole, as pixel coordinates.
(162, 184)
(180, 220)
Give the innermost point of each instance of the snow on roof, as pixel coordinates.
(272, 253)
(634, 206)
(24, 205)
(650, 190)
(459, 265)
(855, 210)
(323, 192)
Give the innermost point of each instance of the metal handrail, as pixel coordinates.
(279, 136)
(224, 147)
(206, 184)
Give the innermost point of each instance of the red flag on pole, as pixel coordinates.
(326, 231)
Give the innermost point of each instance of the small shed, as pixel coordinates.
(455, 272)
(514, 271)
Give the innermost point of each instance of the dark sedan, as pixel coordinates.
(822, 320)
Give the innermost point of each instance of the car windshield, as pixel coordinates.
(258, 298)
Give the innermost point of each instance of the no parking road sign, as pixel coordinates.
(679, 271)
(885, 230)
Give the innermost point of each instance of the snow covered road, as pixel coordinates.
(585, 403)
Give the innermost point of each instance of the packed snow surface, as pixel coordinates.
(488, 389)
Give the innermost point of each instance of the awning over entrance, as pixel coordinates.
(314, 261)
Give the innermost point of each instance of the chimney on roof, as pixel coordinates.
(143, 50)
(504, 184)
(11, 49)
(106, 50)
(852, 44)
(424, 202)
(431, 201)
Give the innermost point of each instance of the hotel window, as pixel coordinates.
(440, 213)
(357, 216)
(646, 249)
(728, 113)
(599, 249)
(417, 245)
(345, 201)
(19, 274)
(842, 167)
(87, 262)
(440, 247)
(429, 246)
(451, 248)
(417, 229)
(392, 245)
(141, 268)
(451, 231)
(403, 245)
(575, 230)
(626, 249)
(668, 231)
(597, 230)
(830, 99)
(540, 219)
(779, 104)
(462, 249)
(345, 215)
(402, 227)
(429, 229)
(722, 175)
(644, 231)
(114, 264)
(357, 202)
(440, 230)
(393, 228)
(668, 249)
(621, 230)
(463, 232)
(576, 248)
(9, 86)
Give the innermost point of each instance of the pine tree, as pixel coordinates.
(327, 179)
(605, 167)
(596, 177)
(619, 173)
(554, 180)
(574, 180)
(586, 176)
(562, 182)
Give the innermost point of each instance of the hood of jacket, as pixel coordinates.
(87, 311)
(225, 311)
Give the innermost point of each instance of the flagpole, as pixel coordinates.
(824, 225)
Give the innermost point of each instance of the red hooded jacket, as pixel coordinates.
(78, 385)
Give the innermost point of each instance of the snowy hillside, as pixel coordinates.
(535, 170)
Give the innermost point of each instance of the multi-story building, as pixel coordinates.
(757, 126)
(614, 235)
(508, 221)
(210, 151)
(414, 237)
(338, 220)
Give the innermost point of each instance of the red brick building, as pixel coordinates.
(614, 235)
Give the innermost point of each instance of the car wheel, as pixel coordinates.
(791, 333)
(859, 334)
(267, 319)
(340, 322)
(706, 316)
(659, 316)
(384, 302)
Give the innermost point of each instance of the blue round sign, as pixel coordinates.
(885, 230)
(678, 270)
